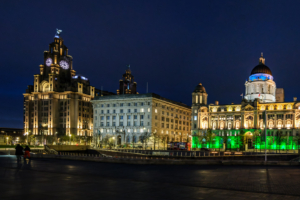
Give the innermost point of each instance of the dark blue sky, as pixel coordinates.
(173, 45)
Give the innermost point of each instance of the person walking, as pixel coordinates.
(27, 152)
(19, 151)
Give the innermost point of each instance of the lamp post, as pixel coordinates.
(70, 139)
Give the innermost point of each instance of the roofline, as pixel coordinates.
(137, 96)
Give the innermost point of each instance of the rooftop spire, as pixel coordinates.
(57, 33)
(262, 59)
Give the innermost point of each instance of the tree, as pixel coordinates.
(296, 140)
(145, 138)
(210, 137)
(256, 134)
(32, 139)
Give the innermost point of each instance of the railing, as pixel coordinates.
(50, 151)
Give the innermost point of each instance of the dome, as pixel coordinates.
(200, 88)
(261, 69)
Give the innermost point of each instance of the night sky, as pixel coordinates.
(172, 45)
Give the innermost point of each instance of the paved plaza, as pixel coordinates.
(66, 179)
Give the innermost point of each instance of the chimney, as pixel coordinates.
(216, 103)
(295, 98)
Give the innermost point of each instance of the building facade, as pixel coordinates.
(235, 120)
(128, 119)
(58, 102)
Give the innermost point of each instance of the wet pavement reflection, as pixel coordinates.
(68, 179)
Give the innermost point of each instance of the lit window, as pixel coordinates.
(148, 109)
(142, 109)
(156, 110)
(195, 117)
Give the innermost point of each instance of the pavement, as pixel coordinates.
(68, 179)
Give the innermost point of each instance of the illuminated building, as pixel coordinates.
(230, 121)
(58, 102)
(127, 84)
(128, 118)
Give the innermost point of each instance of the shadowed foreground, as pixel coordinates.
(66, 179)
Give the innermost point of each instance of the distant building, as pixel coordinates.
(128, 119)
(58, 103)
(279, 95)
(127, 84)
(230, 120)
(11, 135)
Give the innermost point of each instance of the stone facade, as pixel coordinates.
(129, 118)
(58, 103)
(229, 119)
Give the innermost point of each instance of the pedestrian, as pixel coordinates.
(19, 151)
(27, 152)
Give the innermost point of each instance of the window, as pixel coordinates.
(163, 118)
(102, 105)
(121, 117)
(121, 104)
(128, 104)
(121, 123)
(148, 116)
(142, 104)
(163, 112)
(107, 117)
(128, 117)
(107, 105)
(101, 124)
(121, 111)
(128, 110)
(135, 117)
(148, 109)
(107, 123)
(142, 123)
(102, 111)
(114, 117)
(114, 105)
(135, 110)
(142, 117)
(156, 117)
(107, 111)
(128, 123)
(102, 117)
(114, 123)
(135, 123)
(114, 111)
(155, 110)
(135, 104)
(167, 125)
(162, 125)
(195, 117)
(142, 109)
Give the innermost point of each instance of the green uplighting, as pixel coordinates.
(238, 138)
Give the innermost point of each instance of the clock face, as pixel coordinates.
(64, 64)
(48, 62)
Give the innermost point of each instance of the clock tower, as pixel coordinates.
(58, 103)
